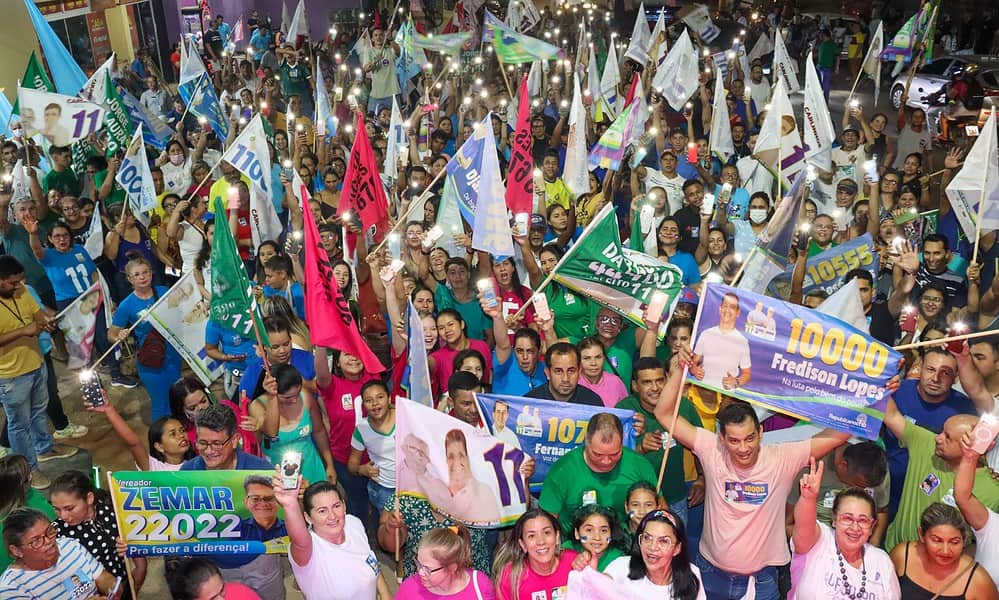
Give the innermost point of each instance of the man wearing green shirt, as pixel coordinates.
(61, 177)
(598, 473)
(379, 60)
(647, 384)
(296, 78)
(828, 53)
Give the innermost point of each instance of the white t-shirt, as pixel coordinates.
(851, 164)
(73, 576)
(816, 573)
(643, 588)
(759, 92)
(729, 353)
(176, 179)
(987, 552)
(347, 571)
(381, 450)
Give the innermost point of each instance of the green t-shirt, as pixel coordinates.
(64, 181)
(571, 483)
(117, 193)
(674, 487)
(828, 51)
(34, 500)
(621, 355)
(476, 321)
(295, 79)
(929, 479)
(814, 248)
(575, 316)
(609, 555)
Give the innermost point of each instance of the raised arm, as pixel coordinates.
(971, 507)
(806, 526)
(299, 537)
(683, 432)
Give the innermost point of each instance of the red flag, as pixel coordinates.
(363, 192)
(631, 90)
(520, 176)
(457, 18)
(330, 321)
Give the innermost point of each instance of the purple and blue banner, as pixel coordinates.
(546, 430)
(791, 359)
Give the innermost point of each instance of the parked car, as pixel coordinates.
(930, 78)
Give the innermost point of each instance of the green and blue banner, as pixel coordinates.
(545, 429)
(791, 359)
(825, 271)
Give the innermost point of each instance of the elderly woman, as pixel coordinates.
(838, 561)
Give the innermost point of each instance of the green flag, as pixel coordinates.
(116, 119)
(232, 305)
(600, 267)
(35, 78)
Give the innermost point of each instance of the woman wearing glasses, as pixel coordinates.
(47, 567)
(659, 565)
(331, 559)
(444, 569)
(838, 562)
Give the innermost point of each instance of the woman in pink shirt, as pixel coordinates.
(444, 569)
(452, 332)
(531, 563)
(608, 386)
(199, 579)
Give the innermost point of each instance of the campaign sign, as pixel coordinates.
(165, 513)
(791, 359)
(545, 429)
(826, 270)
(60, 120)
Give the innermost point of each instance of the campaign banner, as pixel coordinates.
(546, 430)
(791, 359)
(169, 513)
(155, 130)
(462, 471)
(181, 319)
(78, 322)
(60, 120)
(698, 18)
(825, 271)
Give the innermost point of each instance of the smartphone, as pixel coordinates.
(908, 324)
(897, 246)
(394, 245)
(541, 309)
(726, 193)
(645, 218)
(520, 223)
(984, 433)
(114, 589)
(433, 235)
(956, 346)
(656, 306)
(871, 166)
(708, 205)
(288, 172)
(488, 292)
(803, 239)
(91, 390)
(291, 468)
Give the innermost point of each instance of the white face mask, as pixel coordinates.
(177, 159)
(757, 215)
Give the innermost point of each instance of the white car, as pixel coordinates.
(930, 78)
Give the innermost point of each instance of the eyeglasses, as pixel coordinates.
(862, 522)
(650, 541)
(46, 538)
(424, 570)
(261, 499)
(215, 446)
(889, 181)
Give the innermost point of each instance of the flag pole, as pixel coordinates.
(946, 340)
(79, 298)
(426, 194)
(113, 488)
(505, 78)
(981, 209)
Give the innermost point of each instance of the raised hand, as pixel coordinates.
(812, 480)
(953, 159)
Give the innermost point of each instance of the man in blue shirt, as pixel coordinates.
(515, 366)
(228, 346)
(280, 352)
(927, 402)
(277, 273)
(261, 39)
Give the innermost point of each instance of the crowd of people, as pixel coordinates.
(701, 507)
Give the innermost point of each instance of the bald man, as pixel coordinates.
(929, 477)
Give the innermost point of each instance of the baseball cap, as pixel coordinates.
(538, 222)
(847, 184)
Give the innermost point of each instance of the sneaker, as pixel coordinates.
(58, 451)
(70, 431)
(5, 451)
(124, 381)
(39, 480)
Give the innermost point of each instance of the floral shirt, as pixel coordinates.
(420, 519)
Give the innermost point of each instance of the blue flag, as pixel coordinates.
(196, 90)
(416, 378)
(465, 168)
(5, 112)
(545, 429)
(155, 131)
(491, 225)
(66, 74)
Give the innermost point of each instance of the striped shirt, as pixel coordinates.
(73, 576)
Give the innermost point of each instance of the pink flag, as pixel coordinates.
(520, 177)
(237, 32)
(363, 192)
(330, 321)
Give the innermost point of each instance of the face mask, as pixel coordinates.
(177, 159)
(757, 215)
(17, 132)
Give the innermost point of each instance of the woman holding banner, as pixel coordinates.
(328, 549)
(827, 562)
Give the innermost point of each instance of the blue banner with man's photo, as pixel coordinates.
(545, 429)
(826, 270)
(791, 359)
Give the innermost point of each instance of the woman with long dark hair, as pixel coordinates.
(531, 562)
(659, 565)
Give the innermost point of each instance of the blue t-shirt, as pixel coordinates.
(251, 381)
(229, 342)
(686, 170)
(510, 380)
(297, 299)
(686, 263)
(738, 204)
(925, 414)
(129, 312)
(277, 189)
(70, 272)
(244, 462)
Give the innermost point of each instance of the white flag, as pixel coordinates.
(285, 17)
(698, 18)
(844, 304)
(779, 145)
(593, 84)
(78, 322)
(298, 27)
(250, 154)
(95, 233)
(641, 39)
(182, 320)
(575, 174)
(817, 125)
(60, 120)
(978, 182)
(521, 15)
(761, 48)
(720, 135)
(872, 62)
(93, 90)
(610, 80)
(449, 219)
(659, 46)
(135, 178)
(396, 142)
(581, 49)
(535, 80)
(783, 66)
(677, 78)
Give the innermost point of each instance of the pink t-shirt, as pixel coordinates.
(342, 401)
(744, 508)
(539, 587)
(610, 388)
(412, 589)
(238, 591)
(444, 359)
